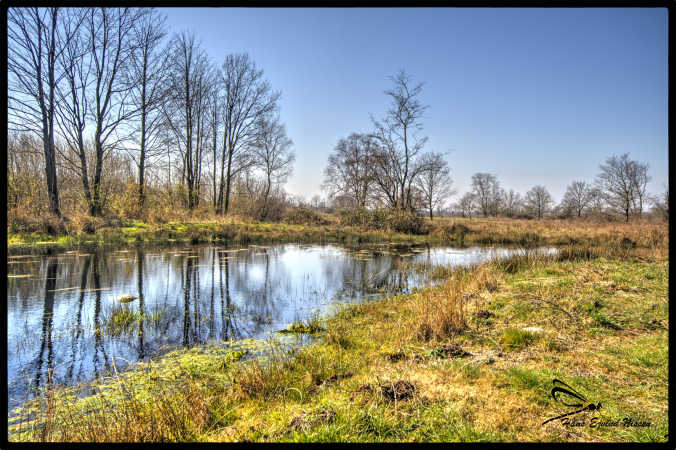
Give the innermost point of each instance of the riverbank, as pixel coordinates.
(470, 360)
(442, 231)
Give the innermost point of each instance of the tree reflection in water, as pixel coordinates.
(185, 297)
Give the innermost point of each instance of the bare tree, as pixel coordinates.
(661, 204)
(466, 204)
(273, 155)
(146, 77)
(350, 171)
(619, 180)
(538, 200)
(247, 98)
(577, 197)
(34, 47)
(487, 191)
(434, 182)
(639, 180)
(73, 105)
(400, 142)
(185, 110)
(512, 203)
(107, 31)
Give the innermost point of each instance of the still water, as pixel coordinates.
(62, 309)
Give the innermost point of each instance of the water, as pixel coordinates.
(60, 307)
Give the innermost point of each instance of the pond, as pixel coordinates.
(65, 314)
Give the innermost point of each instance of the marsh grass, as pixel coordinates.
(84, 232)
(515, 339)
(123, 319)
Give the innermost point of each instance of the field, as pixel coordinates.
(472, 359)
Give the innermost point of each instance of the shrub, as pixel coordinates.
(21, 222)
(384, 219)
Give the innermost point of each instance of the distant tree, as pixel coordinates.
(538, 200)
(486, 189)
(397, 165)
(639, 180)
(512, 203)
(661, 204)
(273, 156)
(434, 182)
(620, 180)
(350, 170)
(467, 204)
(577, 197)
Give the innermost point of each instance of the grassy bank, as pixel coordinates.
(472, 359)
(448, 231)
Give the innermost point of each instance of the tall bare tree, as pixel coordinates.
(146, 77)
(108, 32)
(487, 190)
(577, 197)
(73, 104)
(350, 170)
(639, 180)
(35, 43)
(248, 96)
(512, 203)
(538, 200)
(401, 144)
(434, 182)
(617, 181)
(273, 155)
(185, 107)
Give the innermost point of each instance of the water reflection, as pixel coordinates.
(64, 315)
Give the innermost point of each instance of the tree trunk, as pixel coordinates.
(142, 156)
(227, 183)
(95, 206)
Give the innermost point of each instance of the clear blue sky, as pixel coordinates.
(536, 96)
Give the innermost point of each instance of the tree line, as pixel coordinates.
(387, 168)
(618, 190)
(95, 91)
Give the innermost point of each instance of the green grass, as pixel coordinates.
(513, 339)
(123, 319)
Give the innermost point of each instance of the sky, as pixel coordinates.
(533, 95)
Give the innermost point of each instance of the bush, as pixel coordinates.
(384, 219)
(21, 222)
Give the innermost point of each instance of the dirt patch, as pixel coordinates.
(308, 420)
(398, 390)
(449, 351)
(655, 324)
(396, 357)
(483, 314)
(338, 377)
